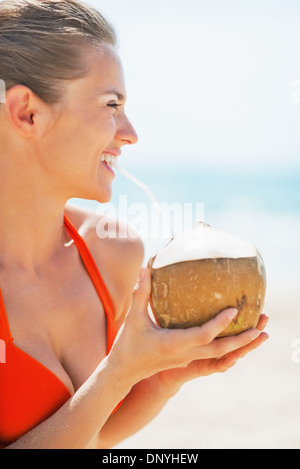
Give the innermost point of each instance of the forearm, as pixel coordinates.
(79, 420)
(145, 401)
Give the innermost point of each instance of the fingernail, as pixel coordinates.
(232, 313)
(265, 336)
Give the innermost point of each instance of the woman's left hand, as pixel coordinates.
(173, 379)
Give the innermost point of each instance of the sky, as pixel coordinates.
(211, 82)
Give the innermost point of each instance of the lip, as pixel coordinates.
(113, 152)
(108, 167)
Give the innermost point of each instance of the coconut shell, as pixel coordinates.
(189, 293)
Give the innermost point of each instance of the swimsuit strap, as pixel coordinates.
(97, 280)
(100, 286)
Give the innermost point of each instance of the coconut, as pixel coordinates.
(202, 272)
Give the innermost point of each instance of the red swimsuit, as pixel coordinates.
(29, 392)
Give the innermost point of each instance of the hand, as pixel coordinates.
(142, 349)
(172, 380)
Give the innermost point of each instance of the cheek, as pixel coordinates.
(106, 129)
(78, 137)
(94, 134)
(89, 136)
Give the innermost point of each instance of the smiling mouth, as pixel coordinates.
(109, 159)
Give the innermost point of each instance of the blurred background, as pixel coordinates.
(214, 94)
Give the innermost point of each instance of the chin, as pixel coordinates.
(103, 200)
(102, 196)
(97, 191)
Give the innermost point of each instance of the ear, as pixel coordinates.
(26, 111)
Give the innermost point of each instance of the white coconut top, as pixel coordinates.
(203, 242)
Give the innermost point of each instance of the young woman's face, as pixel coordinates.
(91, 123)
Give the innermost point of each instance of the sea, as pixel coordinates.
(259, 206)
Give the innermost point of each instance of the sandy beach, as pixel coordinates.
(255, 405)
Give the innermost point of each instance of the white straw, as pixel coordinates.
(137, 182)
(143, 186)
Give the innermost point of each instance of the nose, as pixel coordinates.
(126, 133)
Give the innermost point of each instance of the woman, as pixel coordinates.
(71, 380)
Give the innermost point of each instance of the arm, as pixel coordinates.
(141, 406)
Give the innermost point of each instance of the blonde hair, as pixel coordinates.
(44, 42)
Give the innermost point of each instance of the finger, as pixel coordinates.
(253, 345)
(222, 346)
(225, 363)
(142, 291)
(209, 331)
(263, 321)
(214, 365)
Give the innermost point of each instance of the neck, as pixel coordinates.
(32, 231)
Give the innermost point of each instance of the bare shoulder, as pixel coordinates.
(117, 251)
(103, 232)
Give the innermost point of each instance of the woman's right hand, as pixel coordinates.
(143, 349)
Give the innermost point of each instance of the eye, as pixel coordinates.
(114, 105)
